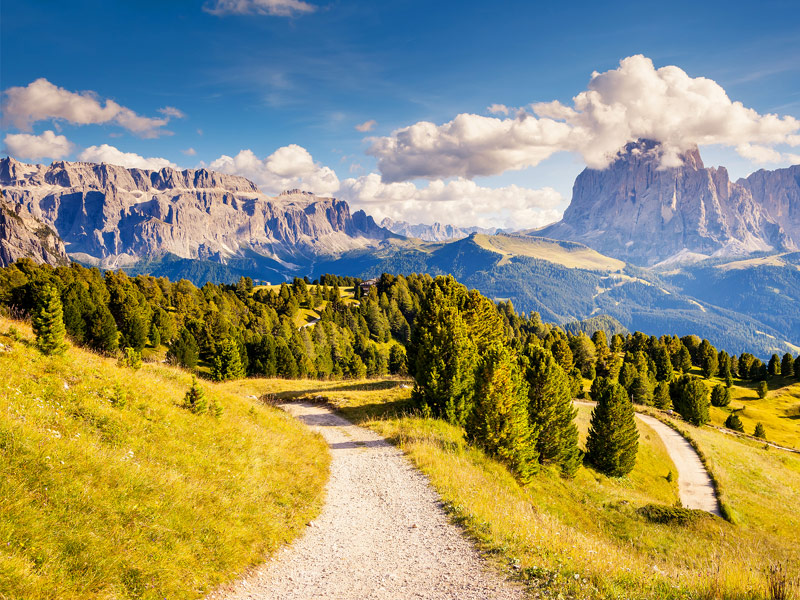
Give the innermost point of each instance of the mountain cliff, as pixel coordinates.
(778, 193)
(22, 235)
(640, 212)
(114, 216)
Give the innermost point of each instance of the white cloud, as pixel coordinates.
(366, 126)
(764, 154)
(114, 156)
(41, 100)
(278, 8)
(459, 202)
(172, 112)
(633, 101)
(498, 109)
(46, 145)
(189, 152)
(288, 167)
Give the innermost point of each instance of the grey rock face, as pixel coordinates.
(22, 235)
(778, 192)
(637, 211)
(116, 216)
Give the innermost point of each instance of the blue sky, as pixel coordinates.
(308, 75)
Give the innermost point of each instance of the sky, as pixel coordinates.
(469, 113)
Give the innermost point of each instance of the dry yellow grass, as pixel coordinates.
(567, 254)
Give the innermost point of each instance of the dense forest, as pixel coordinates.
(507, 378)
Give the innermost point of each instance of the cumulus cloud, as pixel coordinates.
(498, 109)
(278, 8)
(458, 202)
(633, 101)
(41, 101)
(288, 167)
(46, 145)
(366, 126)
(172, 112)
(764, 154)
(189, 152)
(113, 156)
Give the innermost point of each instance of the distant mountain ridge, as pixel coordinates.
(642, 213)
(24, 236)
(436, 232)
(114, 216)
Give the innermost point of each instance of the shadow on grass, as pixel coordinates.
(376, 410)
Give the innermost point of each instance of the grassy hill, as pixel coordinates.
(590, 537)
(567, 254)
(142, 498)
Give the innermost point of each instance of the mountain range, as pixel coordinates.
(678, 250)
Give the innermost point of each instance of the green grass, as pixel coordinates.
(145, 500)
(586, 537)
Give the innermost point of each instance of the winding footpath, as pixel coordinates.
(695, 488)
(382, 533)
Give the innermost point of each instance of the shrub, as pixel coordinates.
(671, 515)
(734, 422)
(130, 358)
(762, 389)
(760, 432)
(195, 399)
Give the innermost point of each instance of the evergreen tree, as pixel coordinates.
(762, 389)
(131, 359)
(734, 422)
(663, 363)
(285, 363)
(551, 411)
(397, 360)
(155, 335)
(48, 322)
(444, 357)
(195, 399)
(228, 362)
(499, 421)
(683, 360)
(661, 398)
(613, 440)
(720, 395)
(184, 350)
(641, 390)
(787, 365)
(774, 367)
(690, 398)
(102, 333)
(760, 432)
(708, 359)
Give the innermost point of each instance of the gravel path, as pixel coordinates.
(381, 534)
(695, 488)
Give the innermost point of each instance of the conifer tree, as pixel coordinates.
(641, 391)
(551, 411)
(690, 398)
(184, 350)
(499, 420)
(444, 356)
(661, 398)
(760, 432)
(762, 389)
(228, 362)
(48, 322)
(720, 395)
(613, 440)
(734, 422)
(787, 365)
(663, 363)
(195, 399)
(708, 359)
(683, 359)
(774, 367)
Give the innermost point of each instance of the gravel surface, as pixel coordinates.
(381, 534)
(695, 488)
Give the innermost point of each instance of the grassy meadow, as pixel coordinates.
(110, 489)
(586, 537)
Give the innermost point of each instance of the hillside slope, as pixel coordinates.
(100, 499)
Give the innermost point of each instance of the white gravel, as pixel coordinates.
(381, 534)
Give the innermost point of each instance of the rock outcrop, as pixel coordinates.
(114, 216)
(22, 235)
(435, 232)
(778, 192)
(639, 212)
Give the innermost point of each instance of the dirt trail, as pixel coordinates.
(381, 534)
(695, 488)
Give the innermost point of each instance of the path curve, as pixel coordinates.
(695, 488)
(382, 533)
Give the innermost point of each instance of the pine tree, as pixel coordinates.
(641, 390)
(734, 422)
(397, 360)
(760, 432)
(444, 356)
(551, 411)
(774, 367)
(499, 421)
(663, 363)
(195, 399)
(690, 397)
(787, 365)
(184, 350)
(613, 440)
(762, 389)
(227, 362)
(661, 397)
(720, 395)
(709, 361)
(285, 363)
(48, 322)
(682, 361)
